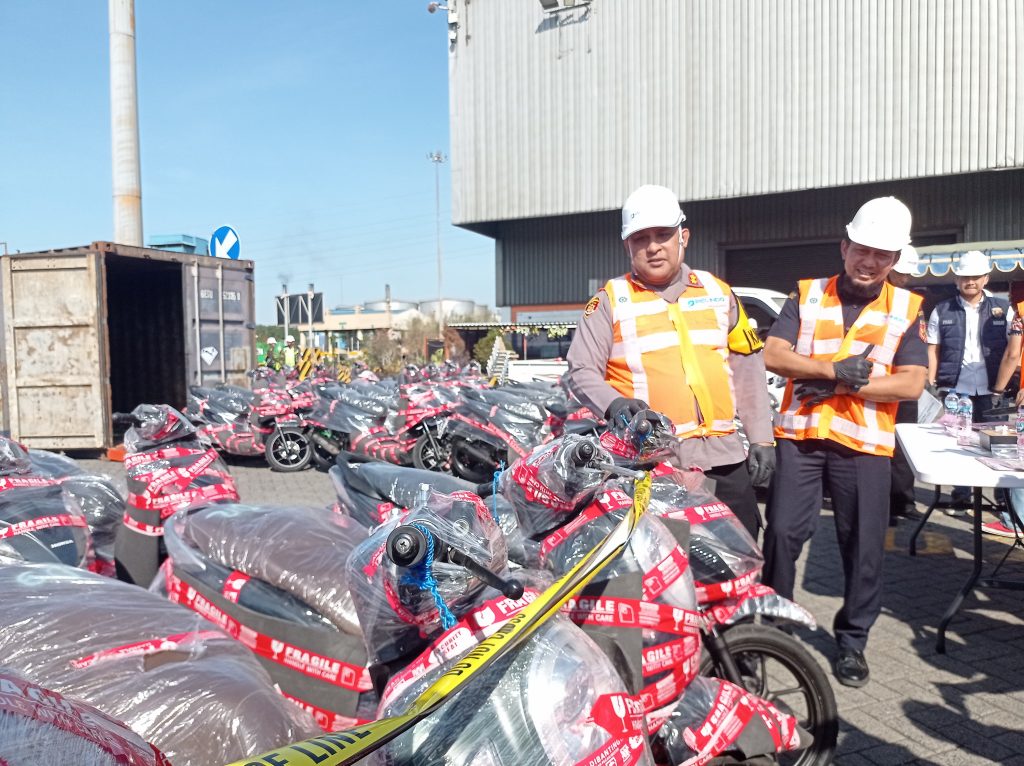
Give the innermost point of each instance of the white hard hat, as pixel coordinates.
(271, 340)
(882, 223)
(289, 338)
(973, 263)
(650, 207)
(907, 264)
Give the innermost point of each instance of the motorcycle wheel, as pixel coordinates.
(468, 467)
(776, 667)
(430, 454)
(288, 450)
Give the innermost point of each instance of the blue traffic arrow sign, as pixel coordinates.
(225, 243)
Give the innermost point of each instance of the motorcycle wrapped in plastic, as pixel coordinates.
(176, 679)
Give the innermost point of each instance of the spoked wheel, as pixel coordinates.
(777, 668)
(288, 449)
(430, 453)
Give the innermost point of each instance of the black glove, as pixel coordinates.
(813, 392)
(624, 406)
(999, 400)
(854, 371)
(761, 464)
(932, 389)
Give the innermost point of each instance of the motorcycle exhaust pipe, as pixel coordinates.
(326, 444)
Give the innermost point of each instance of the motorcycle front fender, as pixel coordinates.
(764, 602)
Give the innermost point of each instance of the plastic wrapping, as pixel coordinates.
(648, 436)
(548, 486)
(174, 678)
(724, 557)
(557, 700)
(397, 611)
(715, 717)
(156, 424)
(14, 458)
(38, 725)
(43, 524)
(299, 550)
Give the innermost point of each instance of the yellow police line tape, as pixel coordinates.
(346, 747)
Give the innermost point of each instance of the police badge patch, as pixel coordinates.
(922, 326)
(592, 305)
(997, 311)
(694, 281)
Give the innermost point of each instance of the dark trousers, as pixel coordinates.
(901, 494)
(859, 487)
(733, 487)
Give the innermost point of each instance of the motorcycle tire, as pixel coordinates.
(425, 454)
(468, 467)
(321, 458)
(288, 450)
(772, 661)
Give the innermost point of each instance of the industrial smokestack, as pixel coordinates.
(124, 125)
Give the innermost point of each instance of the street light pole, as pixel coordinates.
(437, 158)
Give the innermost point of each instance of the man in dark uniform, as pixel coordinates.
(678, 340)
(852, 347)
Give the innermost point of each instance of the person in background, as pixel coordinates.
(852, 347)
(288, 354)
(968, 349)
(902, 503)
(269, 357)
(677, 340)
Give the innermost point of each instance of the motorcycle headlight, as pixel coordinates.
(652, 544)
(563, 687)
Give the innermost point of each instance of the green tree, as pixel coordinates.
(483, 347)
(383, 353)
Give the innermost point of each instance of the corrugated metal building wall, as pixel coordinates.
(555, 260)
(561, 114)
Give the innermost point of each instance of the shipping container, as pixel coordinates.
(89, 331)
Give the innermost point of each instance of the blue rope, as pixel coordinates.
(494, 492)
(422, 576)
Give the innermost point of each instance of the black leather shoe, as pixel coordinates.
(852, 668)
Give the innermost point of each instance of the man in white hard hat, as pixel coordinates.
(289, 351)
(270, 358)
(852, 347)
(968, 349)
(677, 340)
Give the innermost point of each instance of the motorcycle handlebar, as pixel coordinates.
(407, 546)
(125, 419)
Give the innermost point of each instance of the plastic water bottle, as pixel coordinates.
(951, 406)
(965, 417)
(1020, 432)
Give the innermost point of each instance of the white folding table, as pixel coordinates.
(936, 458)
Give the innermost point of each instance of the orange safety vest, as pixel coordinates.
(674, 356)
(868, 427)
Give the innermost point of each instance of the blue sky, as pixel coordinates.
(304, 125)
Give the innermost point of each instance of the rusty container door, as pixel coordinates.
(56, 382)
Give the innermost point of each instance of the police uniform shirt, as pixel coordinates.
(912, 350)
(973, 379)
(588, 359)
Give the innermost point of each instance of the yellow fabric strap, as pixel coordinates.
(691, 366)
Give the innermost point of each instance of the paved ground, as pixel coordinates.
(965, 707)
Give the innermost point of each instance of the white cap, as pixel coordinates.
(271, 340)
(907, 264)
(289, 338)
(650, 207)
(882, 223)
(973, 263)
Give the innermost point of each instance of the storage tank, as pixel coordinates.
(102, 328)
(452, 308)
(396, 306)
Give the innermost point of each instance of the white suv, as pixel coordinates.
(763, 307)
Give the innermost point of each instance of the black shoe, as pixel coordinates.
(852, 668)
